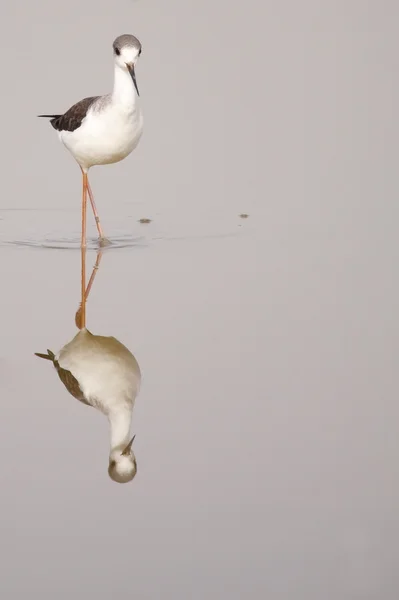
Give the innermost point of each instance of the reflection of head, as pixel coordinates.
(122, 463)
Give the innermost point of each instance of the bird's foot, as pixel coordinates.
(103, 242)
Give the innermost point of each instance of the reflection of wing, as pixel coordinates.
(70, 382)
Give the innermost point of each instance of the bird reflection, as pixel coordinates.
(102, 373)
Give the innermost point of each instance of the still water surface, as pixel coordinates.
(267, 422)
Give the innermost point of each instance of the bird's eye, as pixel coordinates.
(139, 51)
(117, 51)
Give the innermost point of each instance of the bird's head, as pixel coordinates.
(127, 50)
(122, 463)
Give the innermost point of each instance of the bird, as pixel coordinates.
(102, 130)
(101, 372)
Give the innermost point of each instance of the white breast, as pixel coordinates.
(106, 136)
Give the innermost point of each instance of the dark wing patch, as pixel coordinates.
(70, 382)
(73, 117)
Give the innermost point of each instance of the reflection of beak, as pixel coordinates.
(126, 451)
(133, 74)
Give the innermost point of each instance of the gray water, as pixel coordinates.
(267, 424)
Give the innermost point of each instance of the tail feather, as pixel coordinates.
(49, 356)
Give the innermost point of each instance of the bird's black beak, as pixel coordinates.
(133, 75)
(126, 450)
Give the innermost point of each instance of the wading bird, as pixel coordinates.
(101, 130)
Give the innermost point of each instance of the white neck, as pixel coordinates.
(124, 92)
(120, 422)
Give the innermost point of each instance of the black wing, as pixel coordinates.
(73, 117)
(70, 382)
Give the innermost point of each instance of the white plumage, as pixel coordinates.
(104, 130)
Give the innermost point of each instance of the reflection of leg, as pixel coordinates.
(78, 316)
(96, 217)
(93, 274)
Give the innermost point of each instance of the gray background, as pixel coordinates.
(267, 426)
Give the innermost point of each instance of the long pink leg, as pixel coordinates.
(96, 217)
(84, 209)
(82, 323)
(93, 205)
